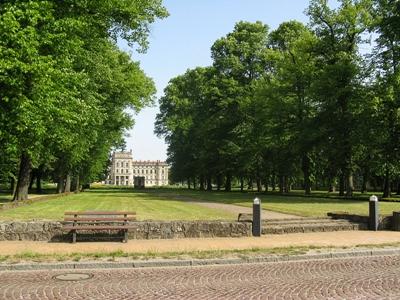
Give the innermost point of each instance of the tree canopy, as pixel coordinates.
(65, 85)
(302, 106)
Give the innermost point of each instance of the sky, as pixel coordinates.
(183, 41)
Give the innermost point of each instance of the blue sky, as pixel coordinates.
(183, 41)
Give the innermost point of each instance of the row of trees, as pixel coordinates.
(315, 105)
(65, 86)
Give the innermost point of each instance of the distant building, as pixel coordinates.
(124, 170)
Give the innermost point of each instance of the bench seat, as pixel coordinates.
(98, 220)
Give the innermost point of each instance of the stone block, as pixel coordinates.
(396, 220)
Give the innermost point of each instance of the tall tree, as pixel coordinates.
(52, 103)
(339, 32)
(387, 62)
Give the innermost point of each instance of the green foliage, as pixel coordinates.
(65, 86)
(301, 105)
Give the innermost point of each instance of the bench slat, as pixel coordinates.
(99, 223)
(96, 227)
(100, 219)
(88, 213)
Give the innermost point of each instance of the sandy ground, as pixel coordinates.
(337, 239)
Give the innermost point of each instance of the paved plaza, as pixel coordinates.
(351, 278)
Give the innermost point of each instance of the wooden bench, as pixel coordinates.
(97, 221)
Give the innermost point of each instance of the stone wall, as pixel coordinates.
(52, 231)
(385, 222)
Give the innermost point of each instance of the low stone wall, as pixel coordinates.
(52, 231)
(385, 222)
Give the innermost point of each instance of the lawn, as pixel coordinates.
(297, 205)
(148, 206)
(173, 204)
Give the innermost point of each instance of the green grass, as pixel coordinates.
(297, 205)
(147, 205)
(172, 204)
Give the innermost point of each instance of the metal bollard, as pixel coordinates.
(256, 217)
(373, 213)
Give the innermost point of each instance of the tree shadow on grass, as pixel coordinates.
(218, 197)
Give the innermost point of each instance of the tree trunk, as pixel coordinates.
(194, 183)
(13, 186)
(228, 182)
(398, 187)
(259, 185)
(60, 185)
(77, 184)
(32, 180)
(273, 183)
(287, 184)
(67, 188)
(202, 187)
(25, 167)
(250, 184)
(188, 183)
(306, 174)
(266, 185)
(331, 188)
(350, 185)
(241, 184)
(281, 184)
(209, 183)
(219, 182)
(386, 189)
(364, 186)
(341, 185)
(39, 181)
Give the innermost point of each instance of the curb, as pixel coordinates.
(196, 262)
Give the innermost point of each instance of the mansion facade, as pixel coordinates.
(124, 170)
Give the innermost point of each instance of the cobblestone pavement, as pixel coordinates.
(351, 278)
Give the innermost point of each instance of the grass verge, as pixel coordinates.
(119, 255)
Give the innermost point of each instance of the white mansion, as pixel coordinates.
(124, 170)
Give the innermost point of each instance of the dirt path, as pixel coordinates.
(337, 239)
(236, 209)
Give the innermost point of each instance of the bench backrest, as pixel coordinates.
(98, 216)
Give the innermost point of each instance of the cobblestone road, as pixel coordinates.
(356, 278)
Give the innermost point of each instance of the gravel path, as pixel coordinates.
(318, 239)
(236, 209)
(353, 278)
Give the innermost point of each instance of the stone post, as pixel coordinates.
(256, 217)
(396, 220)
(373, 213)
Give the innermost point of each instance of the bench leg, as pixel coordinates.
(125, 236)
(74, 236)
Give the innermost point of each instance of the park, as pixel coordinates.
(162, 149)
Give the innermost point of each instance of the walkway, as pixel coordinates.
(337, 239)
(355, 278)
(236, 209)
